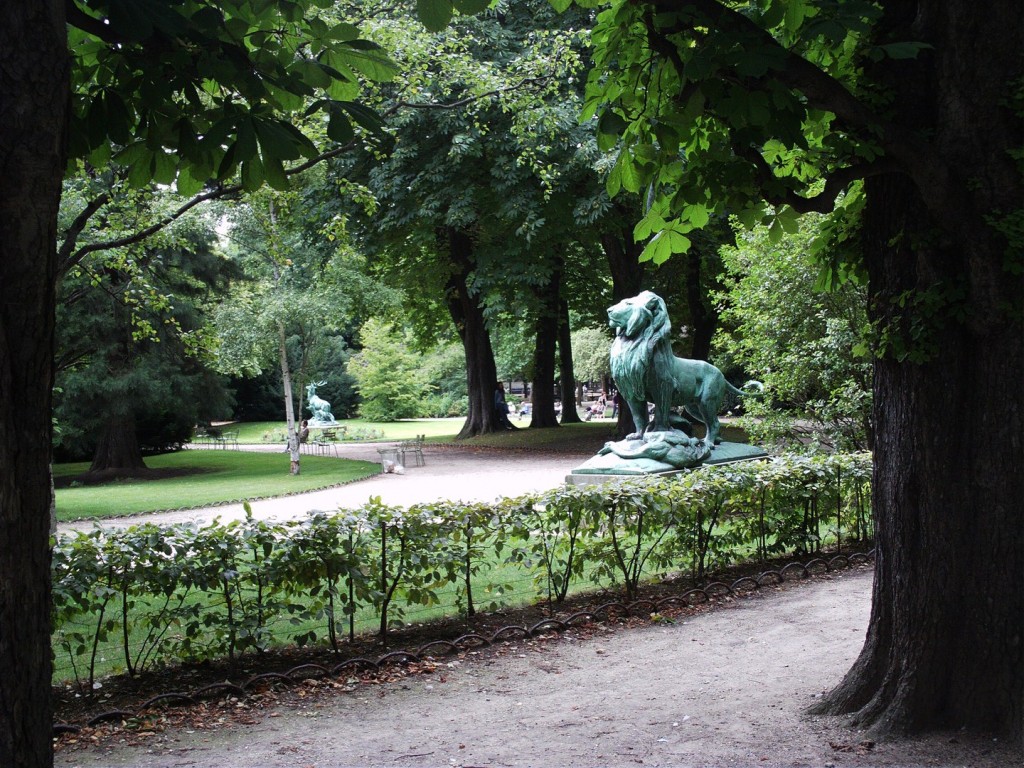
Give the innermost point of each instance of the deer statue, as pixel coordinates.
(320, 408)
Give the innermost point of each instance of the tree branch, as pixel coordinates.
(79, 19)
(822, 91)
(540, 79)
(71, 237)
(70, 257)
(142, 234)
(824, 201)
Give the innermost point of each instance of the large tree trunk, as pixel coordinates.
(468, 316)
(944, 647)
(702, 313)
(565, 370)
(33, 121)
(118, 446)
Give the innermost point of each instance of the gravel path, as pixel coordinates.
(726, 688)
(460, 475)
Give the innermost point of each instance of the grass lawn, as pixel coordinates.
(206, 477)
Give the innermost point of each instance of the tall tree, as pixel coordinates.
(484, 121)
(131, 364)
(187, 92)
(34, 98)
(914, 110)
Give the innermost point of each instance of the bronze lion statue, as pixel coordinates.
(645, 370)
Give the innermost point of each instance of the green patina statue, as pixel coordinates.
(645, 370)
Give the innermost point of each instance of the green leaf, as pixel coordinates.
(630, 175)
(697, 215)
(774, 15)
(435, 14)
(471, 7)
(648, 224)
(187, 184)
(373, 63)
(274, 173)
(664, 245)
(614, 181)
(796, 11)
(339, 129)
(141, 171)
(611, 123)
(275, 141)
(245, 145)
(165, 167)
(252, 174)
(363, 115)
(312, 73)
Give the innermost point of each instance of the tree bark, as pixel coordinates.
(543, 414)
(34, 98)
(944, 646)
(118, 446)
(570, 390)
(468, 316)
(294, 455)
(703, 317)
(623, 254)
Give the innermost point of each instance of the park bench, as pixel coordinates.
(414, 447)
(225, 440)
(216, 438)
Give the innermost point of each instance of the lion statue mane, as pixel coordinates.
(645, 370)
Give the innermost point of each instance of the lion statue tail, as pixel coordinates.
(752, 388)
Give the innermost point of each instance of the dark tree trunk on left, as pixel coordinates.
(34, 97)
(566, 373)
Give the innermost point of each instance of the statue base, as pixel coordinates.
(317, 424)
(606, 467)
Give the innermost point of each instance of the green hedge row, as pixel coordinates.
(180, 593)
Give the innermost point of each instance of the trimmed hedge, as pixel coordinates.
(164, 594)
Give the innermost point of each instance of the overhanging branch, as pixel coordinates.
(824, 201)
(822, 91)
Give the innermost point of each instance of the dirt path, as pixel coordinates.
(725, 688)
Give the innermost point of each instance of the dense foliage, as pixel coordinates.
(803, 341)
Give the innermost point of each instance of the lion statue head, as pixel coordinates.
(643, 316)
(640, 322)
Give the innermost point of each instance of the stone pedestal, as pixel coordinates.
(609, 467)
